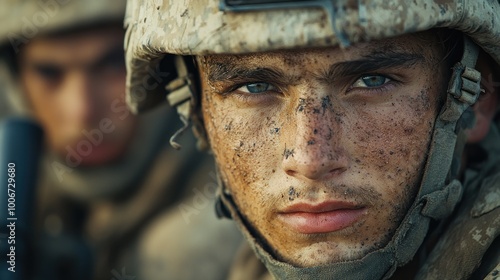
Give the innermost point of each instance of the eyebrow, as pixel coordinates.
(228, 71)
(115, 54)
(112, 54)
(231, 72)
(371, 62)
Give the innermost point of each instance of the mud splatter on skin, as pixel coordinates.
(275, 130)
(302, 104)
(228, 126)
(288, 153)
(292, 194)
(368, 148)
(326, 103)
(309, 105)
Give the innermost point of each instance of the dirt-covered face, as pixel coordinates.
(323, 149)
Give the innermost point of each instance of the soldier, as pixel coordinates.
(354, 139)
(107, 183)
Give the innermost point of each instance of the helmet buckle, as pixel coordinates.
(465, 84)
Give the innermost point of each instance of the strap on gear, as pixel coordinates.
(465, 82)
(438, 183)
(179, 93)
(221, 209)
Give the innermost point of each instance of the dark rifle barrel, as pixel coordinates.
(20, 148)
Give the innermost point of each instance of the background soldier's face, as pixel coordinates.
(75, 85)
(323, 149)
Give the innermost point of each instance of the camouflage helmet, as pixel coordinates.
(196, 27)
(23, 20)
(160, 33)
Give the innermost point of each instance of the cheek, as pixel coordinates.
(245, 147)
(104, 92)
(389, 145)
(40, 98)
(113, 93)
(113, 87)
(35, 93)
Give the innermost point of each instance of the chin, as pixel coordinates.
(103, 157)
(325, 253)
(103, 154)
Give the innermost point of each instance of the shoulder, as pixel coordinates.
(468, 247)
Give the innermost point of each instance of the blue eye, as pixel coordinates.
(371, 81)
(256, 88)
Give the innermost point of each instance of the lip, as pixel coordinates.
(101, 153)
(329, 216)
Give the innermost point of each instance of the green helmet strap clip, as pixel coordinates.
(449, 137)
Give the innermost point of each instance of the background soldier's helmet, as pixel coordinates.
(160, 33)
(23, 20)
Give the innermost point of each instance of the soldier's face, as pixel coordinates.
(323, 149)
(75, 86)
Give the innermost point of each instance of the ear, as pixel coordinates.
(486, 107)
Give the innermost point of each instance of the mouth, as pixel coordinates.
(329, 216)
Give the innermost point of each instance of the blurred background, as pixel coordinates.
(107, 197)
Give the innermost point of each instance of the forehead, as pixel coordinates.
(424, 44)
(81, 46)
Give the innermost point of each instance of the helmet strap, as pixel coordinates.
(448, 140)
(182, 94)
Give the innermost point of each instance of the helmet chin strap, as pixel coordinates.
(463, 91)
(181, 94)
(439, 193)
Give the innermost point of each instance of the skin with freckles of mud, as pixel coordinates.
(311, 139)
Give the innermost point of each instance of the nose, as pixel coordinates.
(314, 151)
(78, 100)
